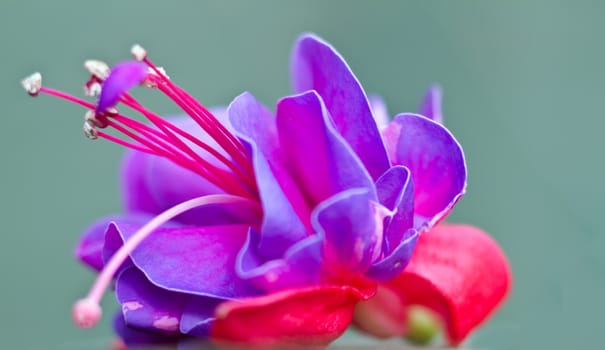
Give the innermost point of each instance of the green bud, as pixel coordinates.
(423, 325)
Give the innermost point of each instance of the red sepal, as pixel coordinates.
(459, 271)
(306, 318)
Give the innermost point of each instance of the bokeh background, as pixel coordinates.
(523, 82)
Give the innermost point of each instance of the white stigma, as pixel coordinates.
(32, 84)
(97, 68)
(138, 52)
(86, 313)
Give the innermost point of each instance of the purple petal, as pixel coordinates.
(379, 109)
(285, 211)
(352, 224)
(123, 77)
(396, 192)
(137, 197)
(436, 161)
(146, 306)
(315, 65)
(193, 260)
(90, 248)
(198, 315)
(300, 265)
(394, 263)
(133, 337)
(320, 159)
(431, 104)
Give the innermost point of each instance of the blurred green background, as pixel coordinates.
(523, 83)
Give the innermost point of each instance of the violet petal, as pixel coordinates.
(90, 247)
(315, 65)
(146, 306)
(300, 265)
(352, 224)
(123, 77)
(283, 205)
(198, 315)
(320, 159)
(436, 161)
(396, 192)
(380, 110)
(392, 265)
(194, 260)
(430, 106)
(134, 337)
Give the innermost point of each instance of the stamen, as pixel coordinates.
(138, 52)
(87, 312)
(97, 68)
(32, 84)
(90, 130)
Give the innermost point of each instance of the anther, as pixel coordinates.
(138, 52)
(93, 87)
(150, 83)
(111, 111)
(90, 130)
(97, 68)
(95, 120)
(32, 84)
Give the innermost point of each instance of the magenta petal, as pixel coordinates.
(300, 265)
(90, 248)
(315, 65)
(123, 77)
(194, 260)
(283, 205)
(435, 160)
(431, 104)
(351, 223)
(146, 306)
(320, 159)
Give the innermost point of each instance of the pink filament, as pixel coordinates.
(86, 311)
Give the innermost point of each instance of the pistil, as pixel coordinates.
(87, 312)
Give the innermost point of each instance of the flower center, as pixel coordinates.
(232, 169)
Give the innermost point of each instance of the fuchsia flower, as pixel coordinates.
(267, 228)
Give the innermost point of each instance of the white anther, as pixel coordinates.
(90, 130)
(151, 84)
(93, 89)
(160, 69)
(138, 52)
(97, 68)
(112, 111)
(32, 83)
